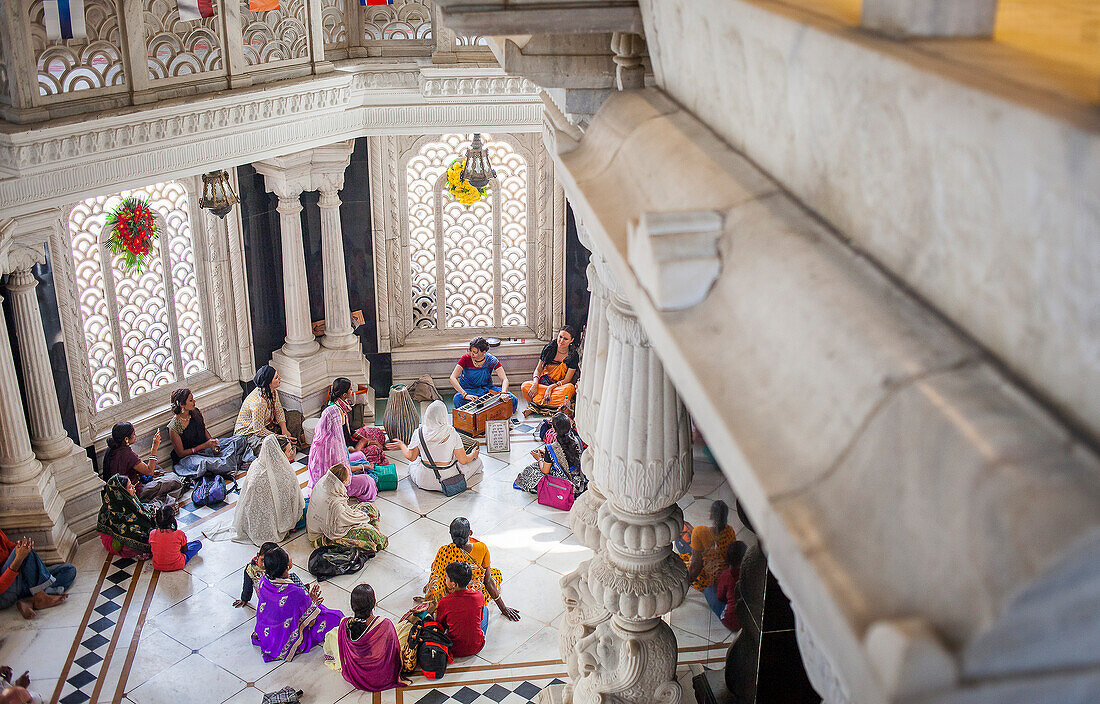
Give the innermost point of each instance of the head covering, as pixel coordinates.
(328, 448)
(373, 662)
(436, 425)
(271, 501)
(124, 518)
(264, 375)
(329, 513)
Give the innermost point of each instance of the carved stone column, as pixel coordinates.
(641, 461)
(17, 460)
(338, 330)
(299, 333)
(47, 433)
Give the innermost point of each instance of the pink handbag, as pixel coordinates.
(556, 492)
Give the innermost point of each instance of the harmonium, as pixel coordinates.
(470, 418)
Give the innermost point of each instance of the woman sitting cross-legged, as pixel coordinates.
(27, 582)
(331, 519)
(708, 547)
(473, 375)
(271, 500)
(151, 483)
(171, 551)
(329, 449)
(194, 452)
(364, 648)
(551, 385)
(559, 457)
(262, 412)
(289, 619)
(438, 440)
(369, 442)
(465, 548)
(124, 521)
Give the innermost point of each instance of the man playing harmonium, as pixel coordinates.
(473, 375)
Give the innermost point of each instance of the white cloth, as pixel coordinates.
(442, 441)
(271, 500)
(329, 512)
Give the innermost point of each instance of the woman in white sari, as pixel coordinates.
(445, 448)
(271, 501)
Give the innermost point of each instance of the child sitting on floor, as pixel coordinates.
(170, 548)
(463, 612)
(254, 570)
(722, 595)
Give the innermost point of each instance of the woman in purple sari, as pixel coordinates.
(289, 620)
(328, 449)
(365, 649)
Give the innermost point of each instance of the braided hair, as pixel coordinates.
(563, 428)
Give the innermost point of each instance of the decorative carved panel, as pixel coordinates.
(275, 35)
(405, 19)
(334, 24)
(67, 66)
(179, 48)
(476, 256)
(497, 264)
(150, 324)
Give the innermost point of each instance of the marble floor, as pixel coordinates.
(133, 635)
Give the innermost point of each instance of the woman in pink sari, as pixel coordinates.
(289, 620)
(328, 450)
(365, 649)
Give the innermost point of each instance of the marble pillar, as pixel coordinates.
(615, 644)
(17, 460)
(338, 329)
(47, 432)
(299, 333)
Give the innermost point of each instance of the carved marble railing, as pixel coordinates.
(42, 78)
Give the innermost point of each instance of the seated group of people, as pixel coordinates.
(367, 649)
(551, 387)
(713, 558)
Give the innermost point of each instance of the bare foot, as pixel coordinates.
(25, 609)
(42, 600)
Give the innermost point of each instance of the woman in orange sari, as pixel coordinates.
(552, 383)
(465, 548)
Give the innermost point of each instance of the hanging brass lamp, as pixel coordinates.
(217, 193)
(477, 170)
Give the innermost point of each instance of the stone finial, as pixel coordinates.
(675, 256)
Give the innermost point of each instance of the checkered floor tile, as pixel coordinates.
(520, 692)
(102, 622)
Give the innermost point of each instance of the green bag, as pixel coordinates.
(385, 476)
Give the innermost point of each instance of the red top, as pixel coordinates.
(167, 546)
(460, 613)
(8, 577)
(467, 362)
(727, 592)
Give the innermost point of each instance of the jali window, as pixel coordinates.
(142, 331)
(469, 266)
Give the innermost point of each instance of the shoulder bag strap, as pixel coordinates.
(431, 462)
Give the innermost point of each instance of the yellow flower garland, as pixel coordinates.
(460, 188)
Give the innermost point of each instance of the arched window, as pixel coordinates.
(142, 331)
(468, 266)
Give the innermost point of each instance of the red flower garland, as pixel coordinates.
(133, 228)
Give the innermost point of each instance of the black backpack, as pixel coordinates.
(330, 561)
(433, 648)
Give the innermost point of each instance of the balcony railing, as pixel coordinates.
(42, 79)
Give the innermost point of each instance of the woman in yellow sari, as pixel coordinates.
(552, 384)
(465, 548)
